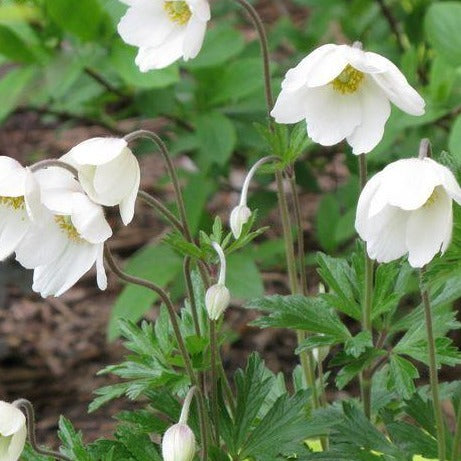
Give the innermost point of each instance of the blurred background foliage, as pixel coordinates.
(65, 61)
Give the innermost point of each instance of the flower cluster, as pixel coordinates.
(52, 213)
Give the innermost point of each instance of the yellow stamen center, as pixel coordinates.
(178, 11)
(17, 203)
(348, 80)
(65, 224)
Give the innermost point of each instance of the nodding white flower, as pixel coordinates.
(108, 172)
(17, 190)
(164, 30)
(344, 92)
(178, 443)
(68, 239)
(13, 432)
(217, 297)
(407, 208)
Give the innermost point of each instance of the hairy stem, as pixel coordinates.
(31, 432)
(171, 171)
(53, 163)
(456, 449)
(214, 378)
(204, 423)
(434, 381)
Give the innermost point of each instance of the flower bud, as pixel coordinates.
(239, 216)
(13, 432)
(178, 443)
(217, 300)
(320, 353)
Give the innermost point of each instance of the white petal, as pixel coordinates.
(17, 443)
(146, 24)
(290, 106)
(114, 180)
(407, 184)
(447, 179)
(429, 229)
(331, 116)
(298, 76)
(200, 8)
(385, 234)
(376, 109)
(11, 419)
(101, 277)
(42, 245)
(88, 218)
(14, 225)
(367, 62)
(329, 67)
(96, 151)
(32, 196)
(364, 203)
(399, 91)
(150, 58)
(127, 205)
(193, 41)
(12, 177)
(56, 278)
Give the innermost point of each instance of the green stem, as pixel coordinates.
(456, 450)
(367, 302)
(438, 413)
(259, 26)
(203, 416)
(214, 378)
(227, 388)
(171, 171)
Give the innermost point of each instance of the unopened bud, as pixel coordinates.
(238, 218)
(178, 443)
(320, 353)
(217, 300)
(13, 432)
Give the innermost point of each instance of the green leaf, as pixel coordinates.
(221, 43)
(281, 429)
(217, 138)
(454, 141)
(122, 59)
(13, 47)
(156, 263)
(403, 374)
(72, 441)
(86, 20)
(300, 313)
(443, 23)
(12, 89)
(243, 277)
(328, 215)
(138, 444)
(357, 345)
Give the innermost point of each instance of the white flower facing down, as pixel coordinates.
(217, 297)
(238, 218)
(13, 432)
(164, 30)
(344, 92)
(108, 172)
(17, 190)
(178, 443)
(407, 208)
(68, 239)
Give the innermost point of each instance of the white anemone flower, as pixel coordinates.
(164, 30)
(108, 172)
(13, 432)
(68, 239)
(407, 208)
(17, 190)
(344, 92)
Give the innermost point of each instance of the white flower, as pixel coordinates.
(238, 218)
(68, 239)
(343, 93)
(108, 172)
(217, 297)
(17, 191)
(178, 443)
(164, 30)
(13, 432)
(407, 208)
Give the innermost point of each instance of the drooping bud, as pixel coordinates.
(217, 297)
(13, 432)
(238, 218)
(241, 213)
(178, 442)
(217, 300)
